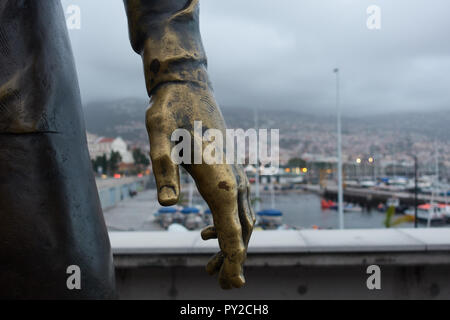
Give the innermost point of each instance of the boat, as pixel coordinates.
(368, 184)
(190, 210)
(208, 218)
(348, 207)
(165, 216)
(192, 219)
(433, 212)
(175, 227)
(328, 204)
(393, 202)
(269, 219)
(178, 217)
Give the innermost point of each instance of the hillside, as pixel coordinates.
(125, 118)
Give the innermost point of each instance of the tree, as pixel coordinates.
(297, 162)
(114, 160)
(140, 158)
(100, 162)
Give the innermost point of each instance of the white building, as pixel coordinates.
(99, 146)
(120, 146)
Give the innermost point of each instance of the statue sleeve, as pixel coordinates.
(166, 34)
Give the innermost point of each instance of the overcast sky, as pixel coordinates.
(280, 54)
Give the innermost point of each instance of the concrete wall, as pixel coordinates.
(414, 282)
(415, 264)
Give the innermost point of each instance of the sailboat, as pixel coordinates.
(433, 211)
(191, 214)
(270, 218)
(165, 216)
(267, 218)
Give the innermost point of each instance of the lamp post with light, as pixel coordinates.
(358, 169)
(371, 161)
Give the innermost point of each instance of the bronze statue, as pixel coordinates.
(50, 215)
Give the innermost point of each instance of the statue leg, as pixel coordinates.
(50, 214)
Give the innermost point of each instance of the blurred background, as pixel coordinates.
(272, 67)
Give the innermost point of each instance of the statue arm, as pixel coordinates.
(166, 34)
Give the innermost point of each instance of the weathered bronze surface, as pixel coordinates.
(50, 215)
(166, 34)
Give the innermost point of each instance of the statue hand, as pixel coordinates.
(224, 187)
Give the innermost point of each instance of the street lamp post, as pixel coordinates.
(372, 165)
(339, 154)
(257, 196)
(415, 191)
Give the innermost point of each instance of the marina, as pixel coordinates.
(300, 210)
(302, 206)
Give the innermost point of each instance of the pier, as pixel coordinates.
(371, 197)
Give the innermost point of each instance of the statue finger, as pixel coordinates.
(209, 233)
(166, 171)
(215, 263)
(218, 186)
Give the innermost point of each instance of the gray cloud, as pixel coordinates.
(280, 54)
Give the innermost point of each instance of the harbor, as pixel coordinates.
(311, 260)
(301, 208)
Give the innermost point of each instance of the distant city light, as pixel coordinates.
(371, 159)
(358, 160)
(304, 170)
(287, 170)
(116, 176)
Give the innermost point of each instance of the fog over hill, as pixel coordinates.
(126, 118)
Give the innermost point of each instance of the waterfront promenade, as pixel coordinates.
(134, 213)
